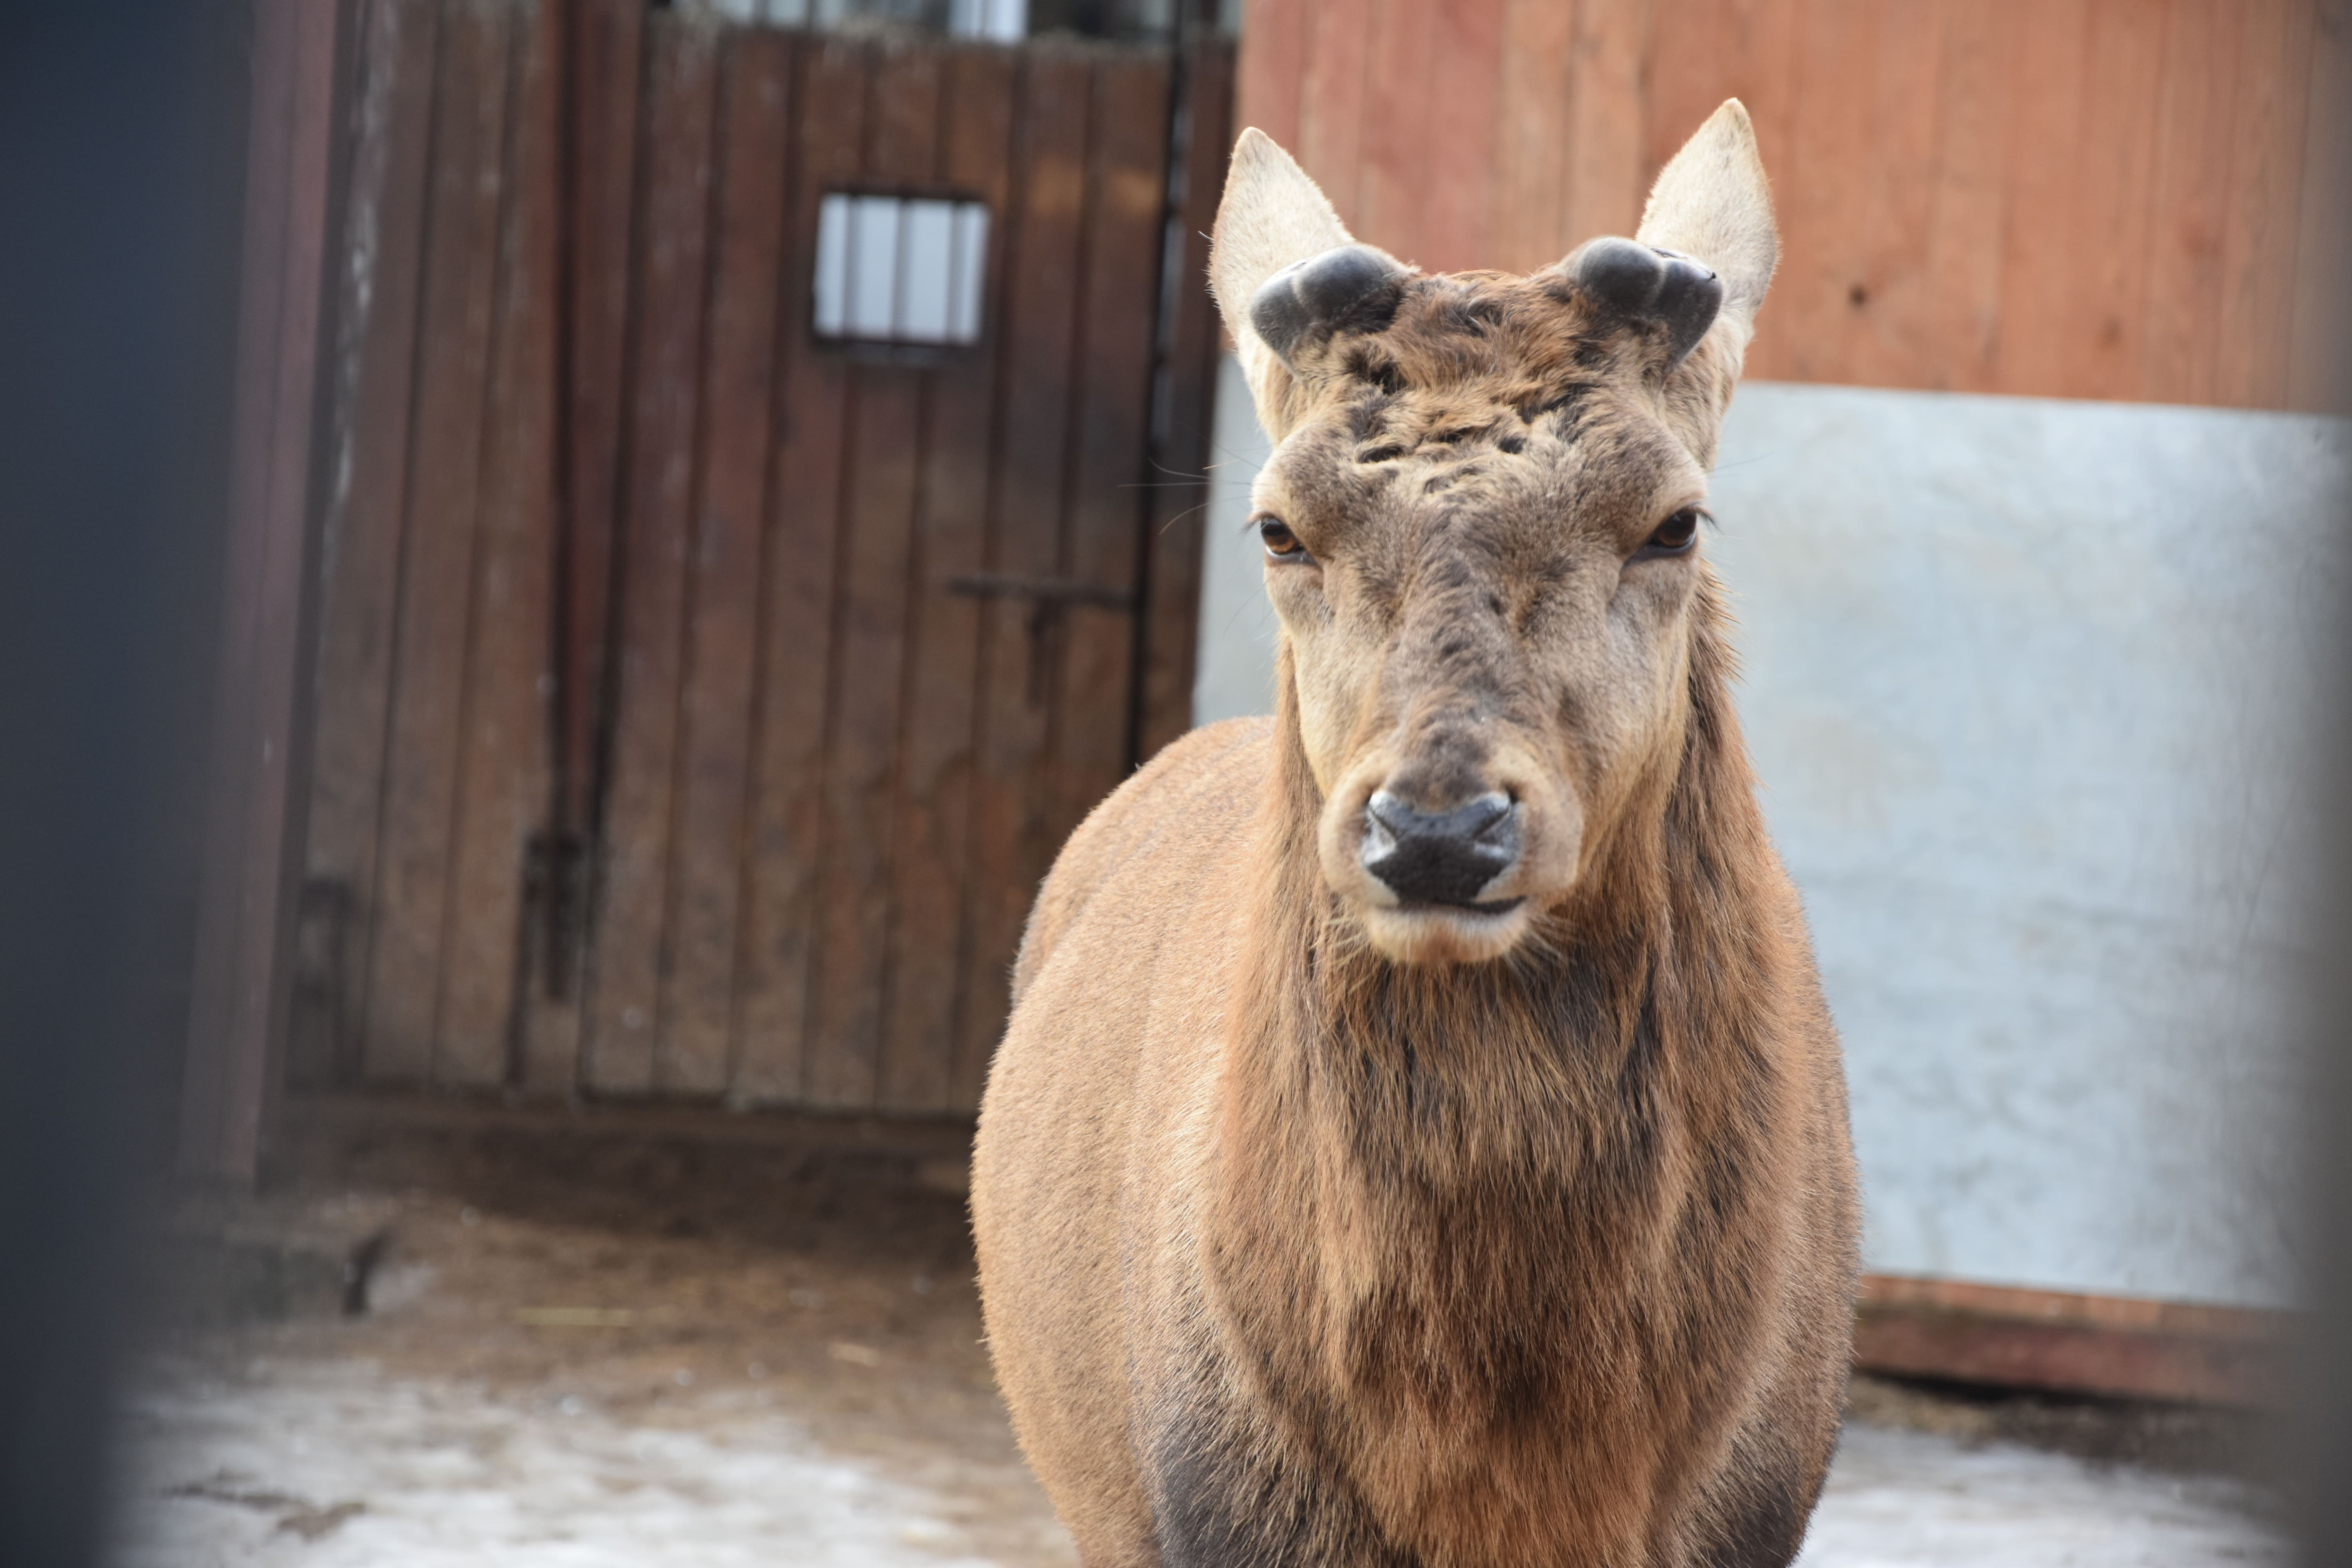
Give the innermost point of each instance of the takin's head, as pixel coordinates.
(1481, 528)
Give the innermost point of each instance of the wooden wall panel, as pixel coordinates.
(1603, 129)
(1274, 65)
(929, 858)
(657, 528)
(1020, 638)
(1103, 531)
(2320, 368)
(1184, 448)
(888, 414)
(1963, 269)
(503, 779)
(1530, 189)
(1330, 113)
(729, 529)
(600, 44)
(737, 687)
(2102, 198)
(377, 316)
(255, 778)
(437, 546)
(797, 646)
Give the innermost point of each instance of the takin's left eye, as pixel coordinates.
(1676, 534)
(1281, 544)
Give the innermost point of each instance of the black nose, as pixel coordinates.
(1441, 857)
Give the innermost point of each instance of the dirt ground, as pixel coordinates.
(593, 1350)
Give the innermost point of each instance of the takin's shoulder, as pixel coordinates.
(1199, 790)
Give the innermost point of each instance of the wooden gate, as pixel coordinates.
(701, 699)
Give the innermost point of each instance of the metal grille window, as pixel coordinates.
(900, 269)
(1006, 21)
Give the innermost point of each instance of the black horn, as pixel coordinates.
(1312, 296)
(1631, 281)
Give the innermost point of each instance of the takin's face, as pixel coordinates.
(1482, 532)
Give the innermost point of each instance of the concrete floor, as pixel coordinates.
(340, 1466)
(625, 1360)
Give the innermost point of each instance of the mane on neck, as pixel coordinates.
(1563, 1055)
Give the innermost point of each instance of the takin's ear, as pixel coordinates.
(1272, 216)
(1711, 203)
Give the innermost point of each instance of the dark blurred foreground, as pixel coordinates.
(121, 135)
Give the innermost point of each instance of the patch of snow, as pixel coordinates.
(1912, 1499)
(336, 1467)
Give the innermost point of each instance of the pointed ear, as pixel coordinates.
(1272, 215)
(1712, 203)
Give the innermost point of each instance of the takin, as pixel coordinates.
(1419, 1139)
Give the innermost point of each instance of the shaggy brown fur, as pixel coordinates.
(1315, 1230)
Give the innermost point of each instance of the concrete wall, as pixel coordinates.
(2027, 682)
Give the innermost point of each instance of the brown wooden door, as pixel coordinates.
(702, 698)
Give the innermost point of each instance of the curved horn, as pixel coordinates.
(1635, 282)
(1310, 296)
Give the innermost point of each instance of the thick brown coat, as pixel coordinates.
(1305, 1243)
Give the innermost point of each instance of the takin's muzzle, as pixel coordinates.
(1441, 857)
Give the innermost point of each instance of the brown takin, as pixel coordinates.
(1419, 1138)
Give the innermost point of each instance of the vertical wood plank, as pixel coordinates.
(1698, 52)
(1531, 147)
(797, 621)
(1890, 328)
(1392, 189)
(1754, 60)
(504, 778)
(1102, 534)
(1968, 216)
(631, 939)
(715, 743)
(1605, 185)
(1461, 135)
(1180, 477)
(2319, 369)
(1813, 293)
(1731, 48)
(240, 992)
(2077, 326)
(1037, 339)
(438, 563)
(2046, 138)
(381, 264)
(1272, 66)
(860, 767)
(928, 859)
(2258, 244)
(262, 328)
(600, 45)
(2191, 192)
(1330, 96)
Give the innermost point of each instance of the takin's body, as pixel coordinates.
(1326, 1220)
(1573, 1286)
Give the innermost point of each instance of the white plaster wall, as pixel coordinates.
(2027, 684)
(1233, 667)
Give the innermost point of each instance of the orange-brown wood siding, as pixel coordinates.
(2079, 198)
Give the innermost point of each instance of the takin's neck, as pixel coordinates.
(1563, 1058)
(1416, 1154)
(1479, 1239)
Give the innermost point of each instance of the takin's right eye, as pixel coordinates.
(1676, 534)
(1281, 544)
